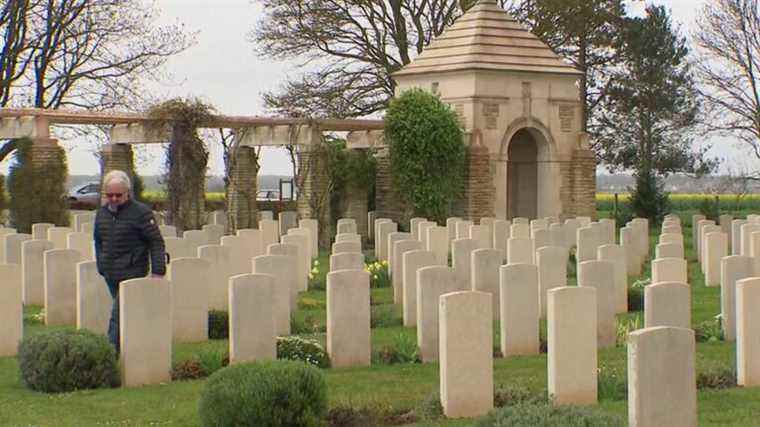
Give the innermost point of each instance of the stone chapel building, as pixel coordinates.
(519, 104)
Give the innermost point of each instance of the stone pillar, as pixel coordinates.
(357, 206)
(116, 157)
(313, 198)
(388, 203)
(242, 211)
(44, 155)
(186, 207)
(478, 196)
(584, 183)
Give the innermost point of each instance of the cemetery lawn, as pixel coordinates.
(398, 388)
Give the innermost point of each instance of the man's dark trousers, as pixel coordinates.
(113, 324)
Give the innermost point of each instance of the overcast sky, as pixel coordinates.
(223, 70)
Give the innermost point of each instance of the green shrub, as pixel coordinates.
(636, 294)
(649, 199)
(189, 369)
(716, 377)
(348, 416)
(218, 325)
(511, 394)
(427, 152)
(37, 192)
(403, 350)
(62, 361)
(709, 331)
(547, 415)
(281, 393)
(303, 350)
(378, 274)
(201, 365)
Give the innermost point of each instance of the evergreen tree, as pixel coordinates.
(651, 110)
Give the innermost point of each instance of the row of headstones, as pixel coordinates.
(667, 301)
(191, 276)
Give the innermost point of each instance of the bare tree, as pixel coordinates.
(350, 48)
(89, 54)
(728, 69)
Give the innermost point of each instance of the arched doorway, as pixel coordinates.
(522, 176)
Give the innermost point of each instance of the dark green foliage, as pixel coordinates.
(385, 316)
(510, 394)
(63, 361)
(218, 325)
(190, 369)
(37, 192)
(716, 377)
(652, 109)
(303, 350)
(282, 393)
(709, 331)
(649, 199)
(427, 152)
(546, 415)
(350, 171)
(201, 365)
(348, 416)
(403, 350)
(710, 208)
(635, 298)
(138, 187)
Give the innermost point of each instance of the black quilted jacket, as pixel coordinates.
(125, 240)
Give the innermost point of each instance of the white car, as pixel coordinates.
(86, 194)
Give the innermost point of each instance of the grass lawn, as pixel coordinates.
(399, 387)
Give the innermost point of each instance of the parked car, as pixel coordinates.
(85, 195)
(268, 195)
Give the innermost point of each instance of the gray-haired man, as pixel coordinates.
(127, 242)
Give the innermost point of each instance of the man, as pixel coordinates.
(126, 237)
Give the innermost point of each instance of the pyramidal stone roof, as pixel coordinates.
(487, 38)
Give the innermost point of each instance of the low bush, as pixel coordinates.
(716, 377)
(281, 393)
(218, 325)
(201, 365)
(636, 294)
(511, 394)
(62, 361)
(317, 278)
(300, 349)
(190, 369)
(403, 350)
(529, 414)
(625, 327)
(709, 331)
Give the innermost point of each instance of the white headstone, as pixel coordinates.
(94, 301)
(348, 318)
(60, 267)
(189, 281)
(252, 327)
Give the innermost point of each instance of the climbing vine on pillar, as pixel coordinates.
(427, 152)
(186, 160)
(37, 185)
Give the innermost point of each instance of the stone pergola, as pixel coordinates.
(128, 129)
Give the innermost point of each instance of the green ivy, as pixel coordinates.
(37, 192)
(427, 152)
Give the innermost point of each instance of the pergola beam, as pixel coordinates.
(218, 121)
